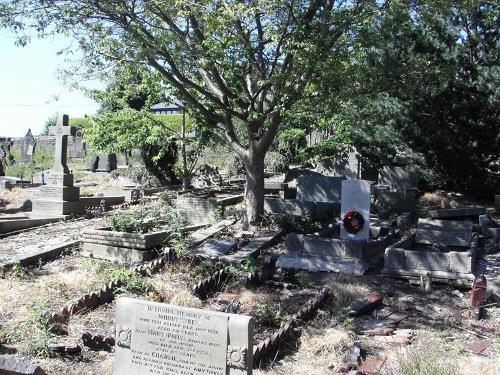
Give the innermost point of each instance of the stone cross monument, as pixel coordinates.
(59, 197)
(61, 131)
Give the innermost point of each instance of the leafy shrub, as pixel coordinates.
(275, 162)
(33, 335)
(138, 175)
(145, 220)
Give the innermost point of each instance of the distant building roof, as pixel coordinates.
(175, 104)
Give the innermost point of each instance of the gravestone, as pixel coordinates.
(398, 178)
(59, 196)
(356, 198)
(317, 188)
(156, 338)
(104, 163)
(28, 145)
(79, 150)
(2, 173)
(346, 163)
(122, 160)
(497, 204)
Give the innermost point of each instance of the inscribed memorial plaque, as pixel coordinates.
(156, 338)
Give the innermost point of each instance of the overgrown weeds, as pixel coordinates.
(32, 336)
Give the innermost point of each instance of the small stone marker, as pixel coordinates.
(356, 198)
(28, 145)
(14, 366)
(497, 204)
(156, 338)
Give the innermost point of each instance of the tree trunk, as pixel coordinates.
(254, 190)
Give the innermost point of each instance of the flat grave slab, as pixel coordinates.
(215, 248)
(156, 338)
(447, 213)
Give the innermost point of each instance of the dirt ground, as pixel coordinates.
(439, 321)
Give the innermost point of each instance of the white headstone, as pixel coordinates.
(156, 338)
(356, 198)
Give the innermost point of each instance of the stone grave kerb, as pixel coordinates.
(60, 172)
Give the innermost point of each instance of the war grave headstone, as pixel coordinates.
(59, 197)
(444, 248)
(156, 338)
(354, 252)
(355, 210)
(28, 145)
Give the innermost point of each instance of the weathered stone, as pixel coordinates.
(216, 248)
(448, 213)
(153, 336)
(497, 204)
(28, 145)
(365, 305)
(319, 189)
(398, 178)
(356, 198)
(117, 254)
(14, 366)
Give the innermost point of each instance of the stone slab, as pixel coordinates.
(497, 204)
(33, 258)
(10, 365)
(253, 247)
(198, 210)
(54, 207)
(61, 193)
(445, 225)
(7, 226)
(215, 248)
(429, 237)
(356, 195)
(196, 238)
(140, 241)
(117, 254)
(316, 188)
(96, 201)
(447, 213)
(59, 179)
(315, 264)
(289, 207)
(155, 338)
(398, 178)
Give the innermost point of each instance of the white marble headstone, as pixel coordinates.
(156, 338)
(356, 197)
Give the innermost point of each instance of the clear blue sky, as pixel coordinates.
(29, 86)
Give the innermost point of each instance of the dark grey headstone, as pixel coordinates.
(398, 178)
(319, 189)
(14, 366)
(447, 232)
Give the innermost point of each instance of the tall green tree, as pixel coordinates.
(240, 64)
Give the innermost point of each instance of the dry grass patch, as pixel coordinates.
(435, 200)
